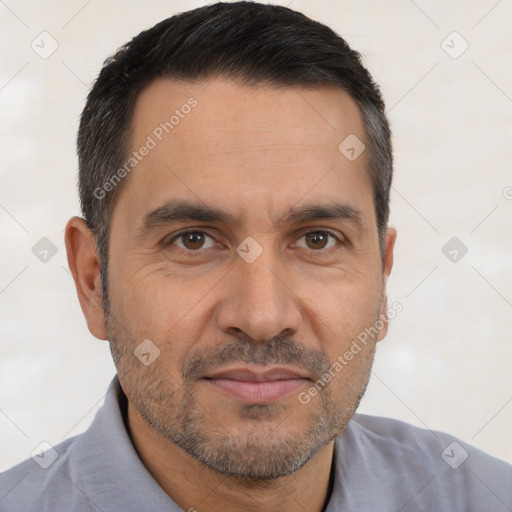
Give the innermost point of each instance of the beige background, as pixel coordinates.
(446, 363)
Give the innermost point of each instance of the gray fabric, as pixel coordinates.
(381, 465)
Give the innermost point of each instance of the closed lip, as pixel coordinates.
(247, 374)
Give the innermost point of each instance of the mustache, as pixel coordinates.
(279, 350)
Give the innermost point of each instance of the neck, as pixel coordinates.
(195, 487)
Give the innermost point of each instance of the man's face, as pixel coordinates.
(250, 307)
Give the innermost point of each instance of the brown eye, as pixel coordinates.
(317, 240)
(193, 240)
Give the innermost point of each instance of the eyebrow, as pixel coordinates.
(330, 211)
(180, 210)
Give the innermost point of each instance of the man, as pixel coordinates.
(235, 167)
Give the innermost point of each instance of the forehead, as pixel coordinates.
(224, 143)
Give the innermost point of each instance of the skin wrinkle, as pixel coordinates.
(289, 306)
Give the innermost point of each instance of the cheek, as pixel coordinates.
(152, 300)
(165, 309)
(343, 321)
(342, 312)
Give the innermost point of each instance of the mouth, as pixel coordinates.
(250, 385)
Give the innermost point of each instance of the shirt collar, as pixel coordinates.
(106, 468)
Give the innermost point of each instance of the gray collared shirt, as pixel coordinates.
(380, 465)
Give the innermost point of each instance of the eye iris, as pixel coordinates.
(193, 240)
(317, 240)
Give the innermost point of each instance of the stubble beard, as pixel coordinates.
(262, 446)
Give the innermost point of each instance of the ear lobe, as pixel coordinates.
(84, 265)
(388, 258)
(386, 271)
(383, 317)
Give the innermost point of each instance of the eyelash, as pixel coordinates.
(314, 251)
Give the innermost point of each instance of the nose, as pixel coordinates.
(259, 301)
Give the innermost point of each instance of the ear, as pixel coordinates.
(386, 271)
(84, 265)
